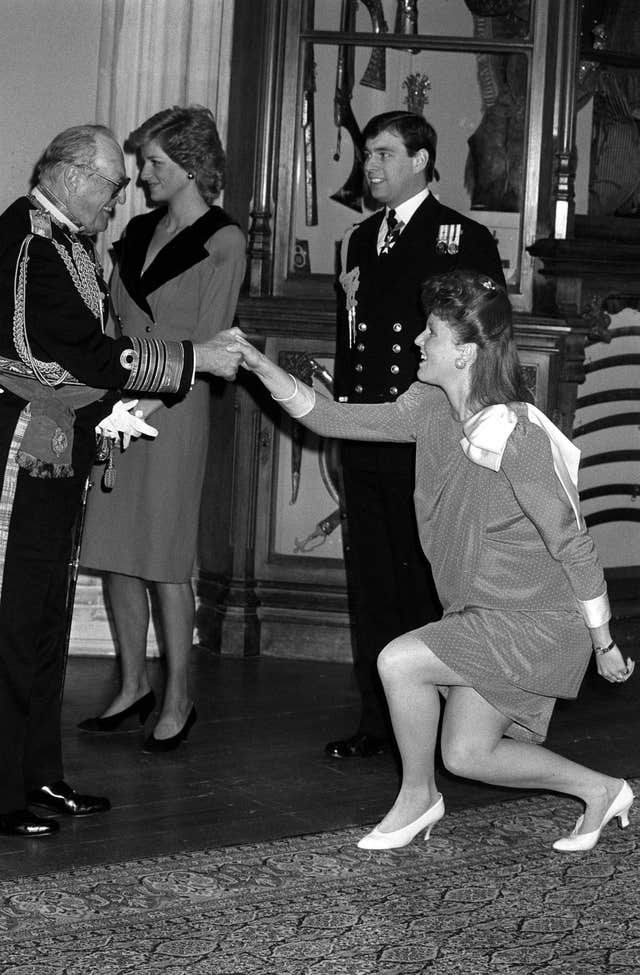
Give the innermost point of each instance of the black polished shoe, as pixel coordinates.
(142, 708)
(169, 744)
(21, 822)
(61, 798)
(358, 746)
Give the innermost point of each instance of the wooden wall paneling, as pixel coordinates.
(303, 603)
(227, 613)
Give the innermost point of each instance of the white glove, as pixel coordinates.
(122, 421)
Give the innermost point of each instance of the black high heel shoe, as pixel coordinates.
(153, 744)
(142, 708)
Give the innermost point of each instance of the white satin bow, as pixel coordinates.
(486, 435)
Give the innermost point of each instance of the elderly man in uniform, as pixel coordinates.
(384, 261)
(56, 368)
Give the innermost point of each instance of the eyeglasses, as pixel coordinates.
(120, 184)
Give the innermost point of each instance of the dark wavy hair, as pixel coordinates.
(190, 138)
(413, 129)
(478, 310)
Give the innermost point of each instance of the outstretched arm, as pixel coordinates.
(388, 422)
(296, 398)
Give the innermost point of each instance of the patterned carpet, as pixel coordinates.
(487, 894)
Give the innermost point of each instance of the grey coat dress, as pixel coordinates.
(510, 562)
(147, 526)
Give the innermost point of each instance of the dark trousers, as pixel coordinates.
(32, 634)
(390, 583)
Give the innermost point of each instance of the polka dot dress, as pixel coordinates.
(508, 558)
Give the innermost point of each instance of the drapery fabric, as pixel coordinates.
(154, 54)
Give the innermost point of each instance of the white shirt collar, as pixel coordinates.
(51, 208)
(404, 211)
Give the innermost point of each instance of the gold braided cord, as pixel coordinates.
(85, 271)
(48, 373)
(83, 274)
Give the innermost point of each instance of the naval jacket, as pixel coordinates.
(60, 327)
(382, 361)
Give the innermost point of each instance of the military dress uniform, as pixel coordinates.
(379, 316)
(56, 367)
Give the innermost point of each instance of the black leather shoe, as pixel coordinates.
(169, 744)
(61, 798)
(21, 822)
(358, 746)
(142, 708)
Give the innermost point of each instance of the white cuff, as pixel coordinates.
(300, 402)
(595, 611)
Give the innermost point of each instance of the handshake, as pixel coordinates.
(296, 398)
(225, 353)
(221, 356)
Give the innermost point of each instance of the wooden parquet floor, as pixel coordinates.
(253, 769)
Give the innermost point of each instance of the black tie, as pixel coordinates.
(392, 234)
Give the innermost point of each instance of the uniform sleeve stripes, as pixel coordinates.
(155, 366)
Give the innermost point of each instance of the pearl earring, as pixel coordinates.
(190, 175)
(459, 363)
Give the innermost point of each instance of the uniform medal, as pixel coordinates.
(448, 238)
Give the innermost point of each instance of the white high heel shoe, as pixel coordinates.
(586, 841)
(375, 840)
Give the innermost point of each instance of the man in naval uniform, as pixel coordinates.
(384, 262)
(56, 368)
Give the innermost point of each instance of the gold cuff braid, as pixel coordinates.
(155, 366)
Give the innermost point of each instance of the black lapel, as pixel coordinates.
(130, 252)
(366, 254)
(182, 252)
(415, 235)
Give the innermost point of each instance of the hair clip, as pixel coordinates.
(488, 284)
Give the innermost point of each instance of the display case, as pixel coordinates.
(479, 71)
(496, 80)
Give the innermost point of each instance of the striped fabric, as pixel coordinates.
(9, 486)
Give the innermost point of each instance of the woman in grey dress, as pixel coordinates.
(177, 275)
(523, 594)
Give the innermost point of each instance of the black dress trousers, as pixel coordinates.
(391, 587)
(33, 615)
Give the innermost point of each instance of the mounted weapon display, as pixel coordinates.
(417, 86)
(407, 20)
(350, 194)
(375, 75)
(306, 368)
(308, 133)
